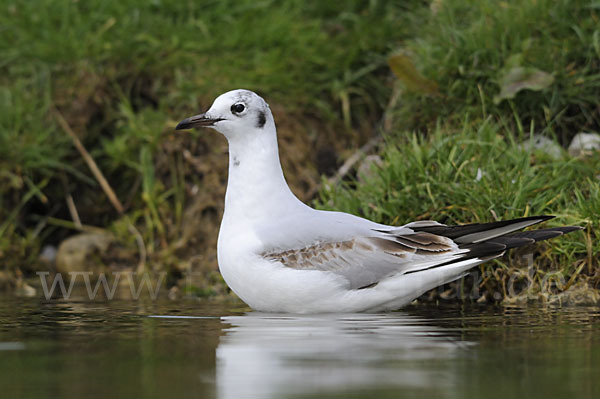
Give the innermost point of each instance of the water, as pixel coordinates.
(207, 350)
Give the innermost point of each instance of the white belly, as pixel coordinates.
(269, 286)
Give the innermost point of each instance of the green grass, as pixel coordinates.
(466, 174)
(481, 174)
(467, 47)
(123, 73)
(466, 163)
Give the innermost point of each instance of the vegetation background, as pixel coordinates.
(448, 96)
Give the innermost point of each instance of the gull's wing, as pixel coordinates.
(365, 253)
(364, 261)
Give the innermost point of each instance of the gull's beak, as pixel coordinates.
(201, 120)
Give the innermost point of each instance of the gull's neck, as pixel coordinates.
(256, 186)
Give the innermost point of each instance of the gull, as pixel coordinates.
(280, 255)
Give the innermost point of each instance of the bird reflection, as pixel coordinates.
(270, 356)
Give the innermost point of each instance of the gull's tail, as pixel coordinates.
(485, 241)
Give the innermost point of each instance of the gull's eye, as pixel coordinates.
(237, 108)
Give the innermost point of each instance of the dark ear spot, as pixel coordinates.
(262, 119)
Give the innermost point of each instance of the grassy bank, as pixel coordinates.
(471, 82)
(527, 63)
(477, 82)
(122, 73)
(483, 173)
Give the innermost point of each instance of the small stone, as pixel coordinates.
(584, 144)
(480, 174)
(448, 294)
(174, 293)
(82, 252)
(366, 170)
(24, 289)
(48, 254)
(544, 144)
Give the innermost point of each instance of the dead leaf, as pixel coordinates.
(518, 78)
(404, 69)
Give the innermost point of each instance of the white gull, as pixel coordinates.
(280, 255)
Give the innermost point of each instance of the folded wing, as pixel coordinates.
(365, 260)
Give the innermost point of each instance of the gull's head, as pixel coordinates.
(234, 113)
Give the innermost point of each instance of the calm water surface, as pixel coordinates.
(199, 349)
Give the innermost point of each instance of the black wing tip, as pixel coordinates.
(568, 229)
(458, 231)
(496, 247)
(539, 219)
(550, 232)
(545, 217)
(493, 246)
(483, 249)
